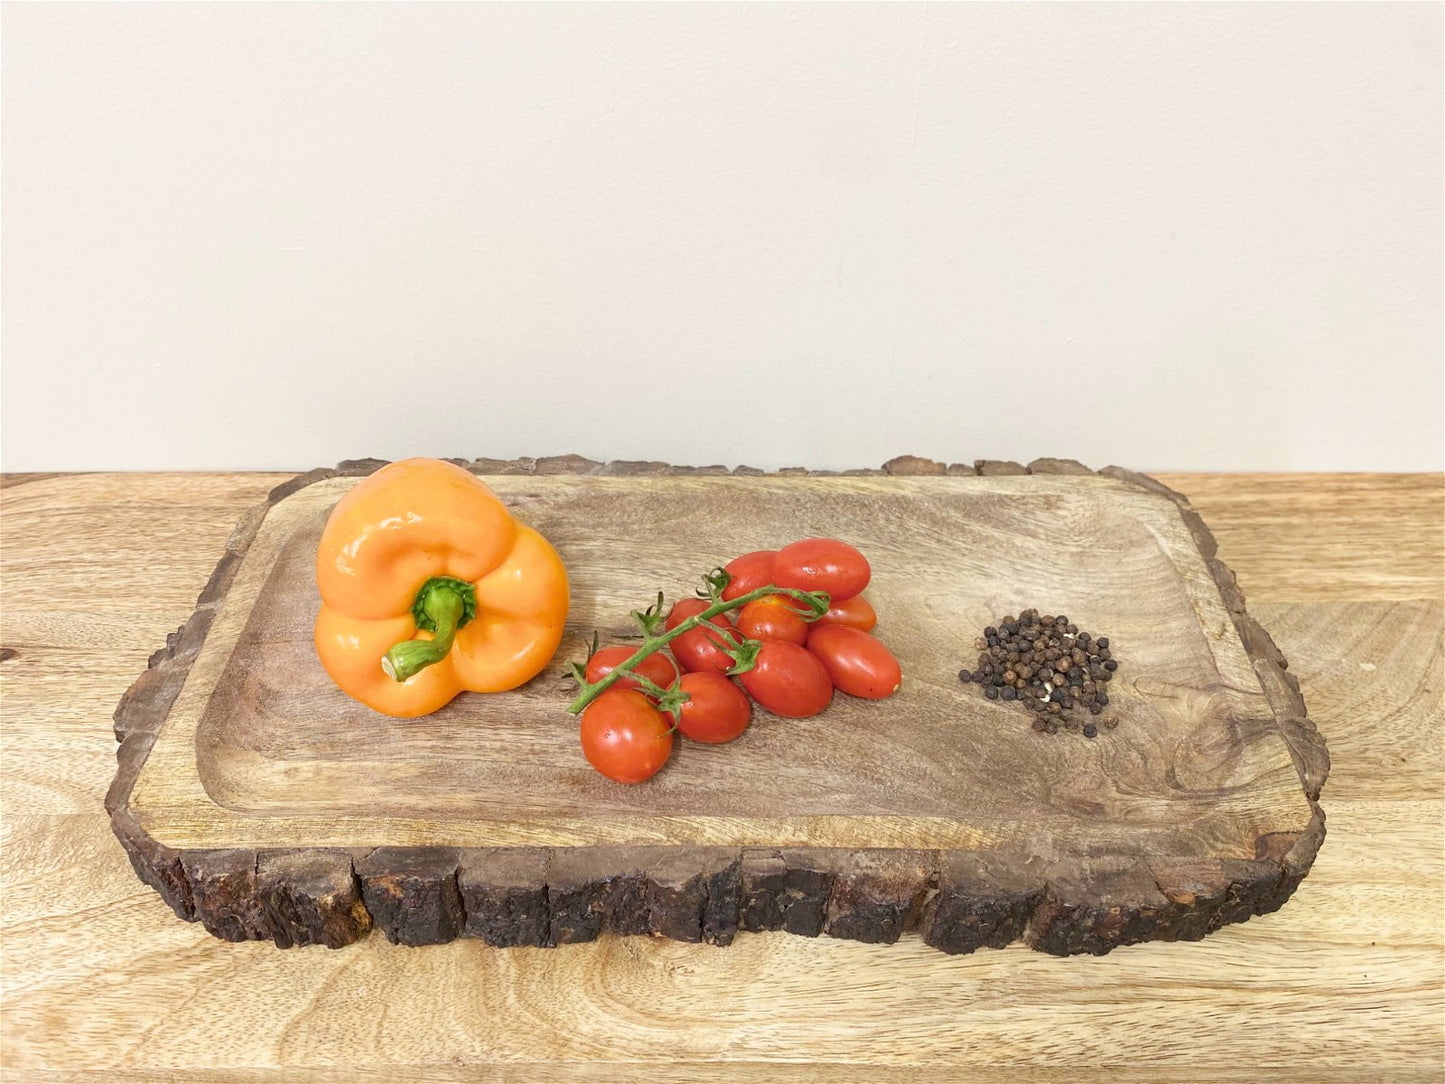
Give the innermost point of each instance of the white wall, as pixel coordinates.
(1168, 236)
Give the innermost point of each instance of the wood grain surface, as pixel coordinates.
(1345, 983)
(287, 759)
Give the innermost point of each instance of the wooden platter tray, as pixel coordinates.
(259, 800)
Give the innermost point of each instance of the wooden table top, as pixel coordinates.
(1345, 983)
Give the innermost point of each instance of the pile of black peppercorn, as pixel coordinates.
(1051, 667)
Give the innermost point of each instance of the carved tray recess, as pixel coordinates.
(259, 800)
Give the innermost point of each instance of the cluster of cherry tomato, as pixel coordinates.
(773, 649)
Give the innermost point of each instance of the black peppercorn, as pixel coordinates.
(1056, 671)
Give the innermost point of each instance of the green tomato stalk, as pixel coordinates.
(651, 621)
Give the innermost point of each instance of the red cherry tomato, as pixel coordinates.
(716, 711)
(773, 618)
(699, 648)
(748, 572)
(682, 609)
(822, 564)
(788, 681)
(624, 737)
(857, 663)
(657, 667)
(856, 613)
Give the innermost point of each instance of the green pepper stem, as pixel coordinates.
(443, 605)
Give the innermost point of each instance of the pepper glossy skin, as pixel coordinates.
(400, 528)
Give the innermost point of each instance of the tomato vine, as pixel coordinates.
(814, 604)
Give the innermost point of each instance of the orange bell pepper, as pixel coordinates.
(429, 587)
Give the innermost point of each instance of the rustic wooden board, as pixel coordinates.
(258, 799)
